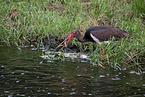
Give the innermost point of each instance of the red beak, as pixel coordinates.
(70, 37)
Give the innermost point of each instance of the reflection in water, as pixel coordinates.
(23, 73)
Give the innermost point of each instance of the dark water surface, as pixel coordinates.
(24, 73)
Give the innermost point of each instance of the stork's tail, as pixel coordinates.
(127, 34)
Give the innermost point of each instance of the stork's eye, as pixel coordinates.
(73, 32)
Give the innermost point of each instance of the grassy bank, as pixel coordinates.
(31, 21)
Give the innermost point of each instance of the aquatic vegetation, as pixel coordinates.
(31, 22)
(64, 56)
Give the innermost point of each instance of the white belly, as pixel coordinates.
(97, 40)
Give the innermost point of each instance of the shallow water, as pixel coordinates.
(24, 73)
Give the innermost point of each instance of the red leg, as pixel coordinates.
(102, 53)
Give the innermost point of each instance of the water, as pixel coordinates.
(24, 73)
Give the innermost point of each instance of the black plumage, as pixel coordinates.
(101, 33)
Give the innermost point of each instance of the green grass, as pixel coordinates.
(32, 21)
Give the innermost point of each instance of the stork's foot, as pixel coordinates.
(102, 53)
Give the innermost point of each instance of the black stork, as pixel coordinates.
(97, 34)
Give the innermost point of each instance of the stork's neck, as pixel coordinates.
(79, 38)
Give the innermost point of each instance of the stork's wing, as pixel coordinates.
(106, 34)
